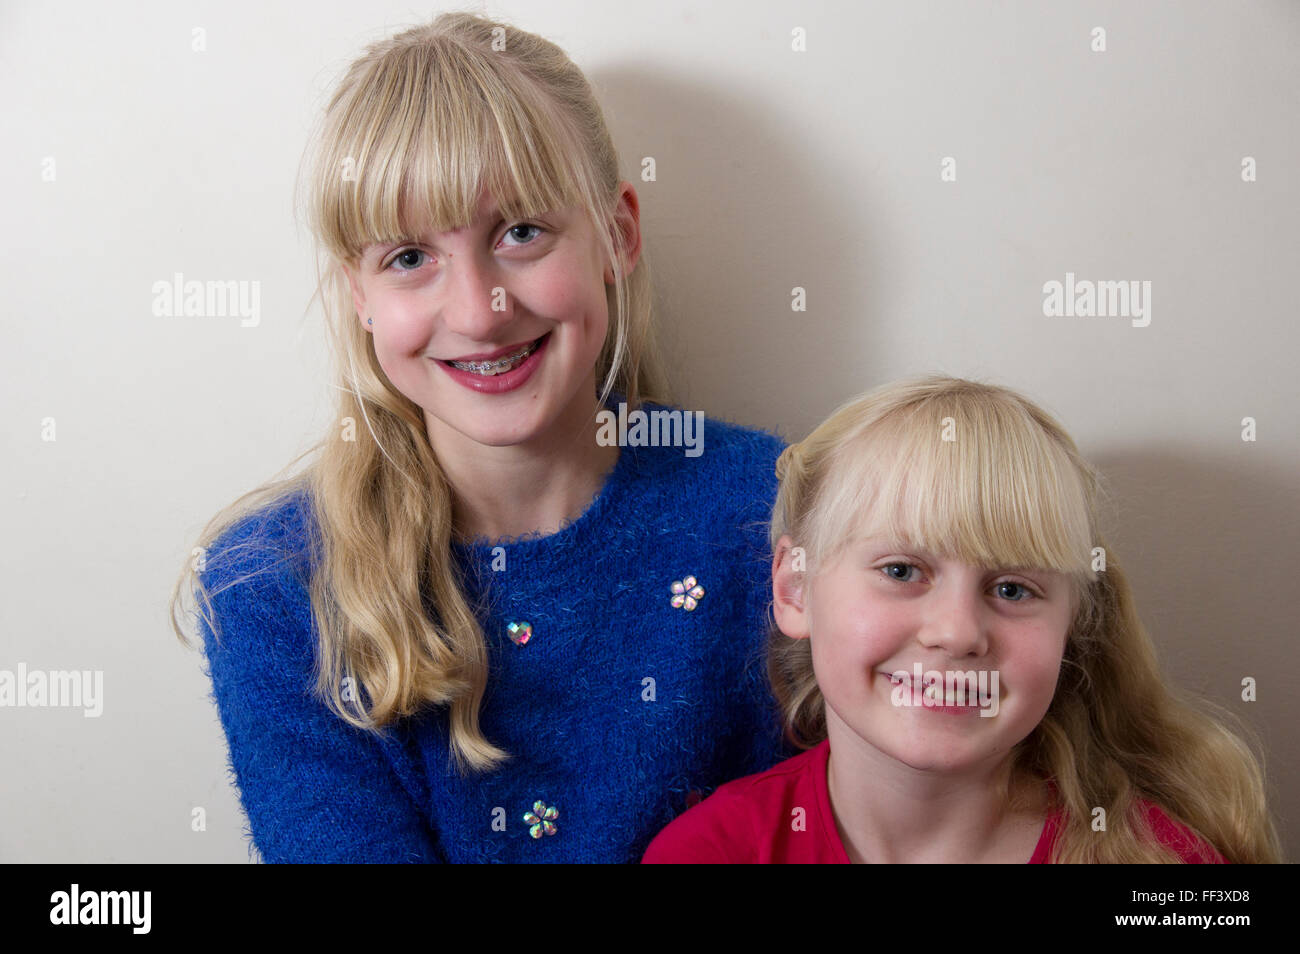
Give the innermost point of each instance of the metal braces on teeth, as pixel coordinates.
(494, 367)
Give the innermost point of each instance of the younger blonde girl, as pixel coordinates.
(957, 650)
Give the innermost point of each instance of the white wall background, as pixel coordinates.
(818, 169)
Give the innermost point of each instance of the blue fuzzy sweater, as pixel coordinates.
(619, 710)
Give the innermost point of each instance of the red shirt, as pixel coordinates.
(735, 825)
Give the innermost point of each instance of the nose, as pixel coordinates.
(474, 303)
(954, 621)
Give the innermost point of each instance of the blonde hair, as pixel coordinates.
(418, 127)
(984, 476)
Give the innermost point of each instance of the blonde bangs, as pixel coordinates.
(416, 138)
(971, 477)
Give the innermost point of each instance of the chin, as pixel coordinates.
(514, 419)
(503, 437)
(928, 754)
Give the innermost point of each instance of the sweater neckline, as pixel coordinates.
(572, 531)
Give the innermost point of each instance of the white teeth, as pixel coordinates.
(499, 366)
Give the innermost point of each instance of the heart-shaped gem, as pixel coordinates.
(520, 632)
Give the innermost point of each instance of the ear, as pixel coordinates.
(627, 220)
(358, 298)
(788, 590)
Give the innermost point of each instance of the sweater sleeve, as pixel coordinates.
(315, 789)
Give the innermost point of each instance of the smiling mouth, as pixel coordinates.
(937, 695)
(500, 365)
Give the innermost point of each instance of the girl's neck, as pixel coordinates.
(888, 812)
(535, 487)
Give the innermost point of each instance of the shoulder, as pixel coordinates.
(755, 447)
(706, 463)
(743, 438)
(692, 480)
(729, 827)
(260, 543)
(256, 571)
(693, 436)
(1164, 829)
(1178, 837)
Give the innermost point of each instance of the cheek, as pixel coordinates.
(852, 635)
(1036, 664)
(402, 346)
(405, 328)
(567, 292)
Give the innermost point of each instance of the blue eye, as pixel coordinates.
(1019, 587)
(403, 257)
(906, 567)
(523, 225)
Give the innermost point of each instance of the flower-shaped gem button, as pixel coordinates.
(687, 594)
(541, 820)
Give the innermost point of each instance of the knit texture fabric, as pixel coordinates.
(619, 711)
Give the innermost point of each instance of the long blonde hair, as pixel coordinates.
(418, 127)
(984, 476)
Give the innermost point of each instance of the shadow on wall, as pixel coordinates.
(732, 180)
